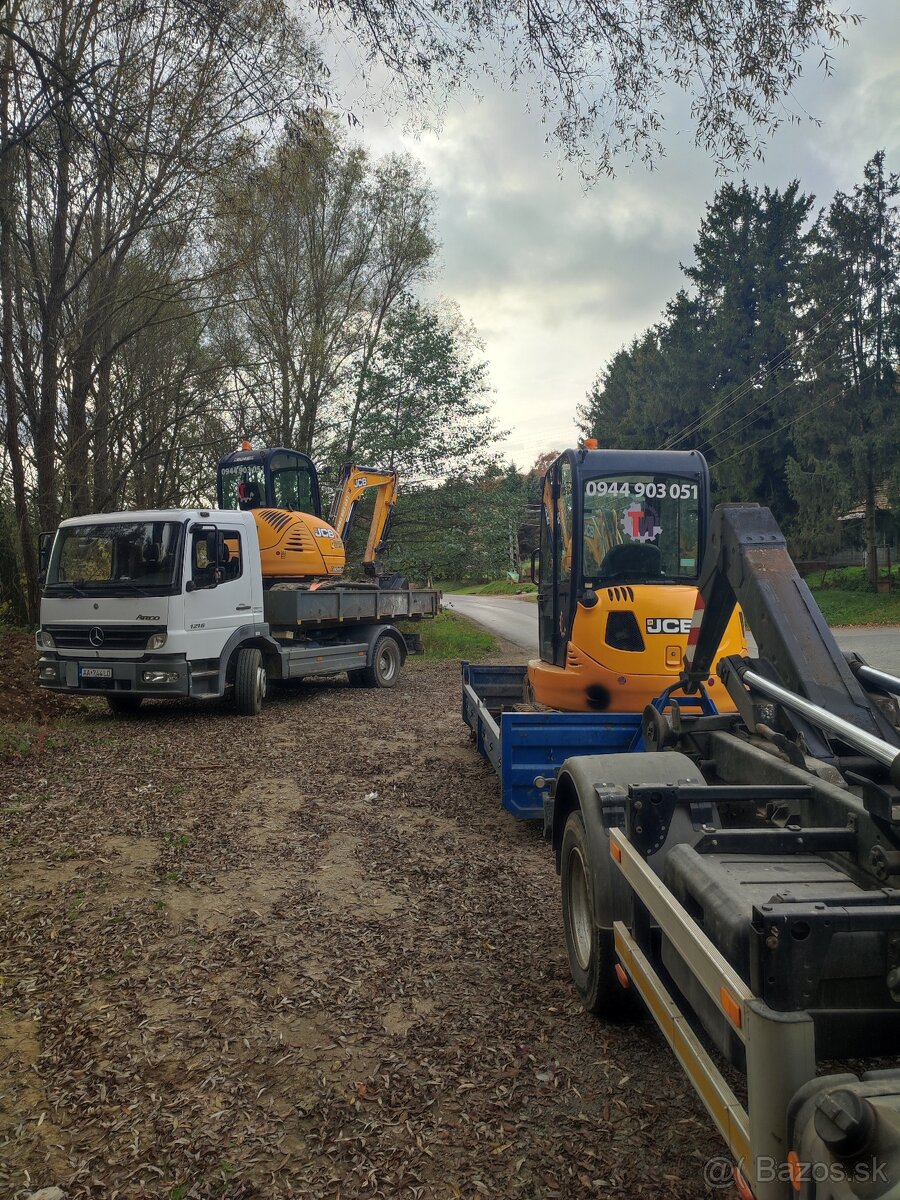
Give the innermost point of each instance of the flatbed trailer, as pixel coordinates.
(528, 748)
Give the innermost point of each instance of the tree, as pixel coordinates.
(720, 372)
(322, 243)
(423, 406)
(848, 435)
(115, 118)
(738, 62)
(750, 259)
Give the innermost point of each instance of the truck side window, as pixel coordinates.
(216, 557)
(231, 558)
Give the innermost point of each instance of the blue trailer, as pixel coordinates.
(526, 749)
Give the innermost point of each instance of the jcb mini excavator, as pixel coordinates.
(281, 488)
(621, 541)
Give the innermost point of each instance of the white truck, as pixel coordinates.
(172, 603)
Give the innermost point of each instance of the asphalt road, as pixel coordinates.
(516, 620)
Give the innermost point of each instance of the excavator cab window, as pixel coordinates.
(641, 528)
(243, 487)
(277, 478)
(292, 485)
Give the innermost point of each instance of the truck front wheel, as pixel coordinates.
(591, 951)
(249, 681)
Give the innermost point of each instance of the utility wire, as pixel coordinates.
(793, 421)
(719, 437)
(820, 326)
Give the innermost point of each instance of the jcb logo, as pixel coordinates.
(677, 625)
(361, 482)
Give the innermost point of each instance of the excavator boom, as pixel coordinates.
(354, 482)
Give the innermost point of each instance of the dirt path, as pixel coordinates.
(304, 955)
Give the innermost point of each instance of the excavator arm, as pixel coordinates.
(354, 482)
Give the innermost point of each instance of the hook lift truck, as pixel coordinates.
(737, 871)
(204, 602)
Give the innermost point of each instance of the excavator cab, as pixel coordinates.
(281, 488)
(282, 479)
(621, 539)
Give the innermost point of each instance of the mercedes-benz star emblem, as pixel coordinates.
(95, 637)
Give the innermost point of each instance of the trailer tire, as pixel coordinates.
(249, 681)
(124, 706)
(591, 951)
(387, 659)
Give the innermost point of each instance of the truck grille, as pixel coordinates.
(115, 637)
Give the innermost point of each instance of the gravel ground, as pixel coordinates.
(303, 955)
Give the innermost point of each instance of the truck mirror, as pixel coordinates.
(45, 545)
(536, 565)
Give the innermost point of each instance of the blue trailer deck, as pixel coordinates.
(526, 749)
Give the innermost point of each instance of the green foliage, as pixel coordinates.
(422, 403)
(451, 636)
(858, 608)
(847, 449)
(460, 529)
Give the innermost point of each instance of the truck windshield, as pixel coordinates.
(120, 557)
(641, 528)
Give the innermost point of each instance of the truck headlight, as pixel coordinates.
(160, 676)
(44, 640)
(157, 641)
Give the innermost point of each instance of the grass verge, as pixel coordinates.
(450, 636)
(495, 587)
(841, 607)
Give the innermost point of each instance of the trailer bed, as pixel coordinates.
(290, 605)
(526, 749)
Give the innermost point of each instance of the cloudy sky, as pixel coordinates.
(557, 277)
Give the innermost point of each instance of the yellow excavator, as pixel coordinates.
(622, 537)
(281, 488)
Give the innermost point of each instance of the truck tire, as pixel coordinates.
(591, 951)
(249, 681)
(387, 659)
(124, 706)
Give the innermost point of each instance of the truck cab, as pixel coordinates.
(150, 603)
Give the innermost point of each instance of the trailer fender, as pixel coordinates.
(372, 635)
(581, 784)
(256, 634)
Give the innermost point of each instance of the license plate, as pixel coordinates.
(96, 672)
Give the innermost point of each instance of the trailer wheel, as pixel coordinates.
(249, 681)
(592, 956)
(123, 706)
(386, 663)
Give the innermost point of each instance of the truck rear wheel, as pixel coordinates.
(385, 669)
(591, 951)
(249, 681)
(123, 706)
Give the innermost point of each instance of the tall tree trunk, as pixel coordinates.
(24, 528)
(871, 534)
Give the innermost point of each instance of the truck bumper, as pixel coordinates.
(149, 677)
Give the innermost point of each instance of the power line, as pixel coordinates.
(819, 327)
(799, 417)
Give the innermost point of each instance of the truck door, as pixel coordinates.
(218, 593)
